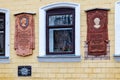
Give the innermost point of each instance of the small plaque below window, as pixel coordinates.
(24, 70)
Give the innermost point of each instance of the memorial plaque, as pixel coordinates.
(97, 32)
(24, 34)
(24, 70)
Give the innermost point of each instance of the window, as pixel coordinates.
(59, 32)
(4, 36)
(117, 31)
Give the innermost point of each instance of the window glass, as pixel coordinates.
(2, 34)
(56, 20)
(60, 40)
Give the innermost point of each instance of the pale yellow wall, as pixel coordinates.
(84, 70)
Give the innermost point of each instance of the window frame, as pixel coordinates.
(60, 11)
(42, 33)
(117, 32)
(5, 59)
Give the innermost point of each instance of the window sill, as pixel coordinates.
(117, 58)
(4, 59)
(59, 58)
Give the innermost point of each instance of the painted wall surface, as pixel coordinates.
(84, 70)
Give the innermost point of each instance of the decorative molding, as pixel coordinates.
(31, 13)
(42, 26)
(59, 5)
(106, 9)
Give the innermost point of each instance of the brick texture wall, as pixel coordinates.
(84, 70)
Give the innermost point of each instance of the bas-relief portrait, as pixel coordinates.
(24, 22)
(97, 22)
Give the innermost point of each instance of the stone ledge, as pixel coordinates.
(4, 59)
(59, 58)
(116, 57)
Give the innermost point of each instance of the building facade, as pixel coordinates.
(54, 43)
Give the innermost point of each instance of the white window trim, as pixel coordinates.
(5, 59)
(117, 31)
(42, 26)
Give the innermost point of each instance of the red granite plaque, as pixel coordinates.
(97, 32)
(24, 34)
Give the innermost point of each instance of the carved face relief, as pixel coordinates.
(24, 22)
(97, 23)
